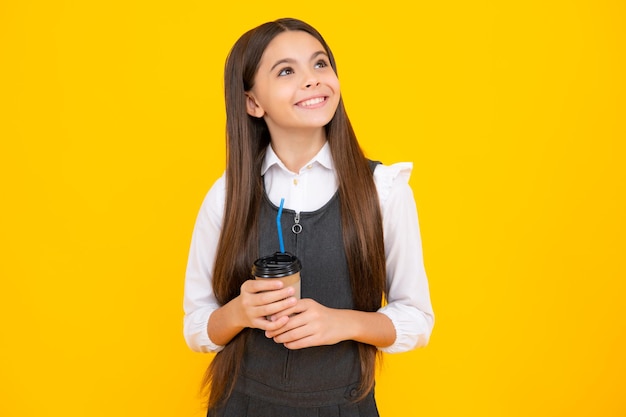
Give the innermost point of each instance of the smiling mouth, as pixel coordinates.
(311, 102)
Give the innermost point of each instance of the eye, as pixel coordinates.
(321, 64)
(285, 71)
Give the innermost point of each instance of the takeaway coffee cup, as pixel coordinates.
(282, 266)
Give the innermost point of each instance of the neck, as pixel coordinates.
(295, 149)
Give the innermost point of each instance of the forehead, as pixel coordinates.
(291, 44)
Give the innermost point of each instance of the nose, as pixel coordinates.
(311, 80)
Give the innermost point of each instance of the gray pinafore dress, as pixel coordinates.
(319, 381)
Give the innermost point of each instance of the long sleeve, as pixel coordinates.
(408, 300)
(199, 301)
(408, 297)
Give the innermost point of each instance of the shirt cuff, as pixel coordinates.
(412, 328)
(197, 335)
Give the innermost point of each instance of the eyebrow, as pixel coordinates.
(291, 60)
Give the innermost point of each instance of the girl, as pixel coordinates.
(357, 236)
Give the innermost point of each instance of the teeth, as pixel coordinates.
(312, 101)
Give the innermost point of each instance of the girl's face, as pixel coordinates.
(295, 88)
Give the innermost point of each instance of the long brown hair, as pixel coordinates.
(247, 138)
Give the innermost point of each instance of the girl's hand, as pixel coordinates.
(310, 324)
(262, 298)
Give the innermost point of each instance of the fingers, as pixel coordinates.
(269, 313)
(302, 321)
(259, 285)
(266, 298)
(312, 325)
(261, 292)
(272, 326)
(305, 342)
(298, 337)
(290, 311)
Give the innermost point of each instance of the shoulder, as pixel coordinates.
(218, 189)
(213, 204)
(389, 178)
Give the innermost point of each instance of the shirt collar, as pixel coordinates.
(323, 158)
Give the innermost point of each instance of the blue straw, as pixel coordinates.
(280, 229)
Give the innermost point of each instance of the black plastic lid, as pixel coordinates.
(277, 265)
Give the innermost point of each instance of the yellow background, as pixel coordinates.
(112, 126)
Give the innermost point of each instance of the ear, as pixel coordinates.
(253, 107)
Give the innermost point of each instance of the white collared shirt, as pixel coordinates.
(307, 190)
(408, 298)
